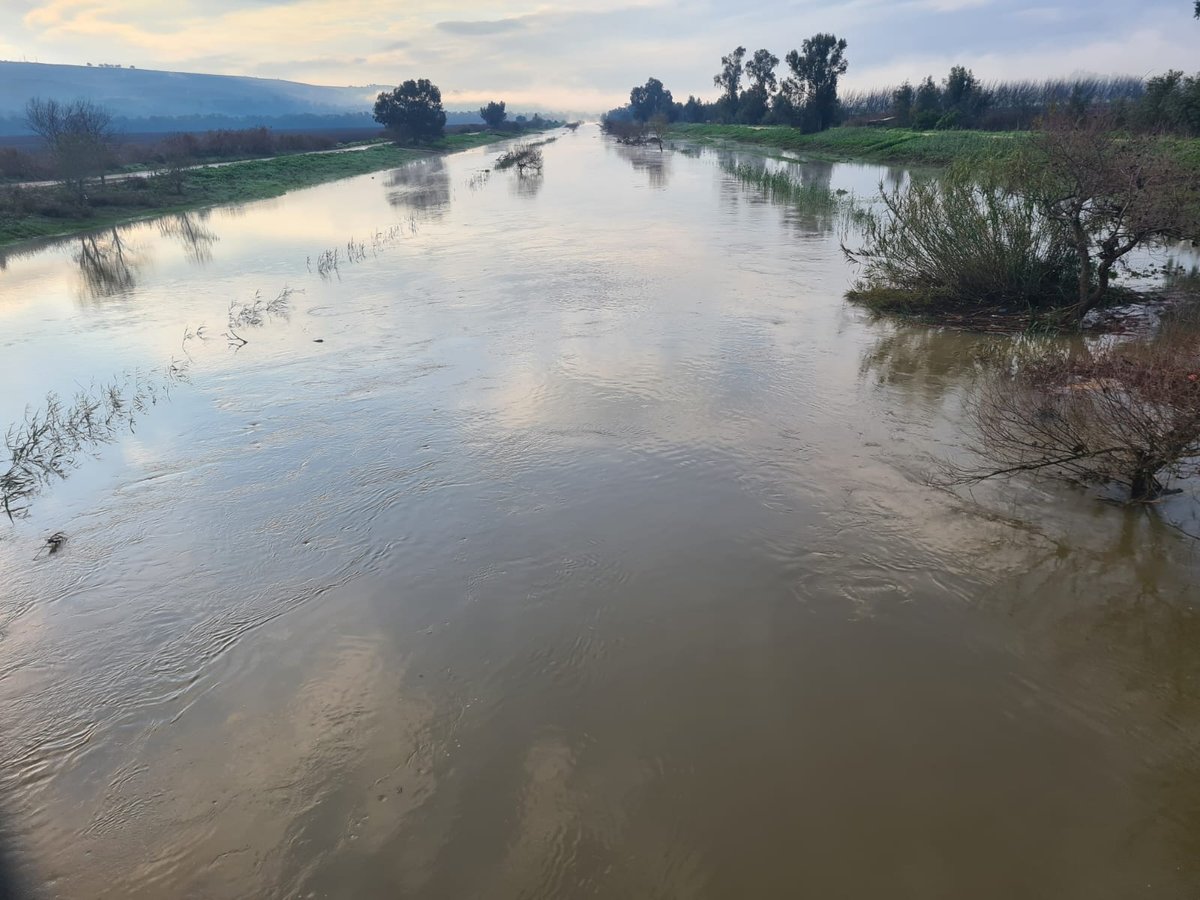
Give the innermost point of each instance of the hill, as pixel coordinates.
(150, 100)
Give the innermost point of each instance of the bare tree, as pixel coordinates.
(658, 126)
(178, 155)
(79, 135)
(1112, 193)
(1125, 414)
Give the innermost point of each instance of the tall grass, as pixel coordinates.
(781, 186)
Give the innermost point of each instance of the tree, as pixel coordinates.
(902, 104)
(493, 114)
(927, 104)
(650, 100)
(814, 82)
(756, 99)
(658, 126)
(693, 110)
(79, 135)
(1110, 193)
(413, 111)
(761, 71)
(963, 97)
(729, 79)
(1171, 102)
(178, 153)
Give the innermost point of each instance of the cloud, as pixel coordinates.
(586, 54)
(954, 5)
(500, 26)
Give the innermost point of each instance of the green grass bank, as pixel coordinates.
(30, 213)
(888, 145)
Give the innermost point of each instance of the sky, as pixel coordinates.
(584, 55)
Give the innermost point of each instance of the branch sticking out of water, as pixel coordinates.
(47, 444)
(329, 261)
(255, 313)
(49, 441)
(523, 156)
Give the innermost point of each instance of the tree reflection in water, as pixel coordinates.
(654, 162)
(422, 188)
(189, 228)
(107, 266)
(527, 184)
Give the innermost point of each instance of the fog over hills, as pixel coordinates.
(138, 93)
(151, 100)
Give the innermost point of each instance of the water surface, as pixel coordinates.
(571, 538)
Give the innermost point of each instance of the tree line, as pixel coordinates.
(804, 96)
(413, 112)
(1169, 102)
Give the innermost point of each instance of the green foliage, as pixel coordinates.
(1047, 227)
(781, 187)
(1171, 103)
(927, 104)
(755, 102)
(881, 144)
(650, 100)
(761, 71)
(963, 97)
(412, 112)
(812, 87)
(729, 79)
(962, 240)
(903, 100)
(493, 114)
(693, 110)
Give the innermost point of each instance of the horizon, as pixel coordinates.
(581, 56)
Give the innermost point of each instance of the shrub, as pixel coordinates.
(1126, 414)
(960, 241)
(523, 156)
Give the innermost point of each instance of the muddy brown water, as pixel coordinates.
(574, 540)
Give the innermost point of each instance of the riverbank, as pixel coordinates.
(900, 145)
(888, 145)
(30, 213)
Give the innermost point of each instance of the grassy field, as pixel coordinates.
(888, 145)
(42, 212)
(903, 145)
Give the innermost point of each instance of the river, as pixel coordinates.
(571, 537)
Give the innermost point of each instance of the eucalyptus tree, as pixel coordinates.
(812, 87)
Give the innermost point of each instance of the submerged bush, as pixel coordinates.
(1121, 413)
(961, 241)
(523, 156)
(1048, 227)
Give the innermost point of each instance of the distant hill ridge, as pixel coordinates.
(152, 100)
(140, 93)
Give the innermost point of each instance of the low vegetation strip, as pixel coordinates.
(894, 145)
(28, 213)
(878, 144)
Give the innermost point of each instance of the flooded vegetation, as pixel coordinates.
(569, 534)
